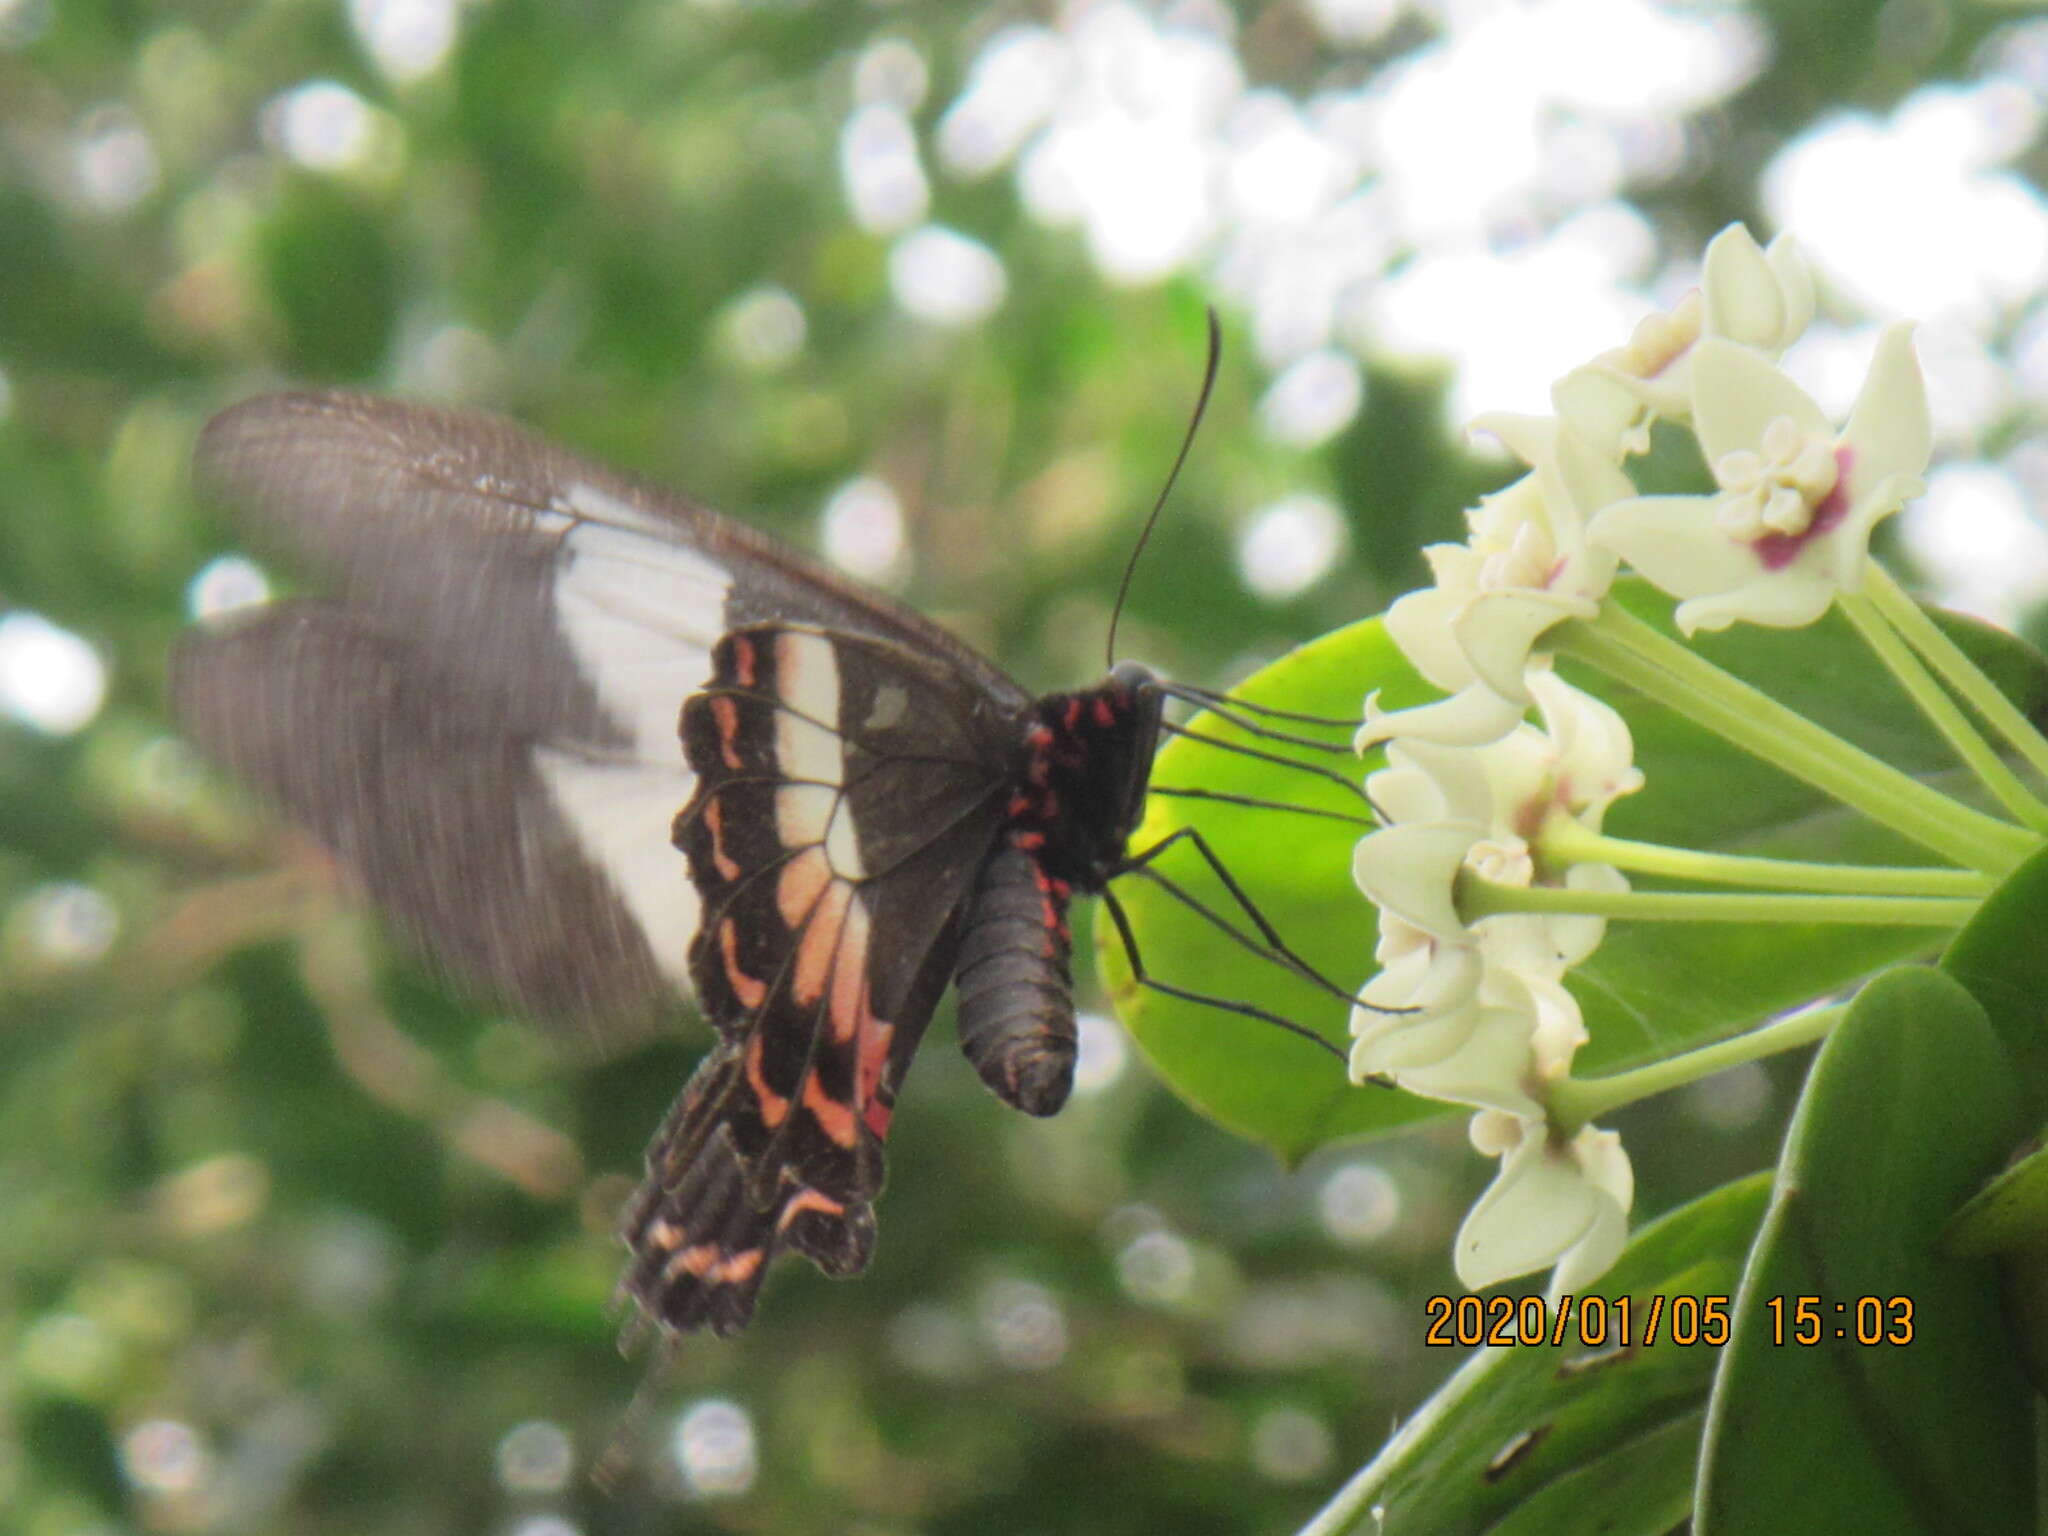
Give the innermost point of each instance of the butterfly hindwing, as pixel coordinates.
(848, 791)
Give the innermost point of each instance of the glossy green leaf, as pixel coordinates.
(2009, 1212)
(1909, 1106)
(2000, 958)
(1573, 1438)
(1652, 990)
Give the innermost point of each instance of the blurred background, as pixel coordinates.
(292, 1238)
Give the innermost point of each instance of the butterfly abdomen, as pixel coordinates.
(1016, 992)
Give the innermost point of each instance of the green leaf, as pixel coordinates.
(2009, 1212)
(1651, 991)
(2000, 958)
(1909, 1105)
(1572, 1438)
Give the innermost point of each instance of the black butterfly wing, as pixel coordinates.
(848, 791)
(481, 722)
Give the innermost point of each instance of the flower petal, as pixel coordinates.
(1494, 1068)
(1889, 432)
(1787, 599)
(1472, 717)
(1673, 543)
(1420, 622)
(1410, 870)
(1763, 299)
(1498, 630)
(1737, 393)
(1537, 1208)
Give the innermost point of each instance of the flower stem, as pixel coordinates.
(1575, 1102)
(1568, 842)
(1632, 652)
(1941, 711)
(1955, 666)
(1478, 898)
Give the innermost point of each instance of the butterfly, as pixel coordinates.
(593, 746)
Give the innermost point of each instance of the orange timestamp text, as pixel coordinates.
(1623, 1322)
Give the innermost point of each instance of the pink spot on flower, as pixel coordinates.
(1778, 550)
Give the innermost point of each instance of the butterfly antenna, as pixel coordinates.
(1186, 443)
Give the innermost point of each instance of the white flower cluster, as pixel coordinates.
(1476, 1012)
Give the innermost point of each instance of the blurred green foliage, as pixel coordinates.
(291, 1238)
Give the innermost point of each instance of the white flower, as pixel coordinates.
(1562, 1203)
(1761, 298)
(1527, 567)
(1790, 525)
(1481, 1021)
(1485, 809)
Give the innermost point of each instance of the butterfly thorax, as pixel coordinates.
(1081, 788)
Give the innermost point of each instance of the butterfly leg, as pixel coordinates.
(1141, 863)
(1249, 1010)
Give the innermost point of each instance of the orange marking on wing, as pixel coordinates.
(877, 1116)
(836, 1120)
(739, 1267)
(807, 1199)
(705, 1262)
(714, 819)
(1073, 716)
(665, 1235)
(743, 660)
(744, 987)
(850, 976)
(726, 715)
(874, 1055)
(1104, 715)
(820, 942)
(801, 883)
(774, 1106)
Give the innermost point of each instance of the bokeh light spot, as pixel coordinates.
(113, 160)
(322, 125)
(535, 1457)
(940, 275)
(1014, 84)
(762, 329)
(878, 162)
(1024, 1325)
(1102, 1051)
(933, 1341)
(1291, 1445)
(224, 585)
(1728, 1101)
(1289, 546)
(1313, 400)
(165, 1456)
(1979, 541)
(65, 924)
(862, 528)
(1359, 1202)
(407, 38)
(1157, 1268)
(891, 71)
(714, 1448)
